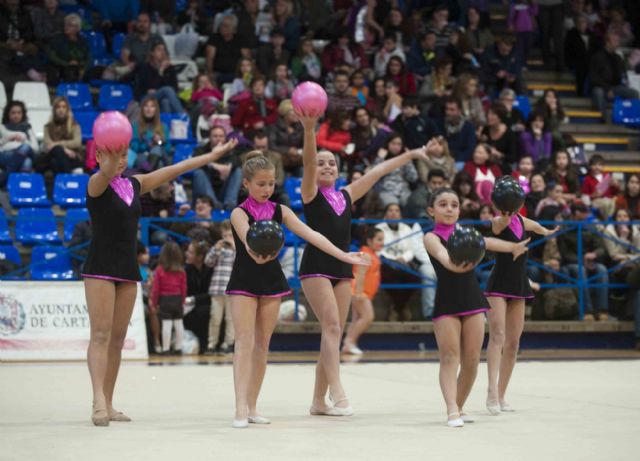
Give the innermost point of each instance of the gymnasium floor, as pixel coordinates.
(580, 406)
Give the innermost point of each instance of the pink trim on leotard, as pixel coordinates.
(516, 226)
(107, 277)
(505, 295)
(335, 198)
(259, 211)
(307, 276)
(123, 189)
(252, 295)
(444, 230)
(461, 314)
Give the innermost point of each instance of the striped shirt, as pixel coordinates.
(221, 259)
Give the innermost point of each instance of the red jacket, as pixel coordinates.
(472, 168)
(333, 56)
(168, 284)
(247, 114)
(334, 141)
(591, 183)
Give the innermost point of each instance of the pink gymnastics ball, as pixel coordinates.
(309, 99)
(112, 131)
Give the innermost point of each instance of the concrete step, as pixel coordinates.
(561, 89)
(599, 129)
(583, 116)
(545, 76)
(602, 143)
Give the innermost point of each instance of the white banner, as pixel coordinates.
(50, 321)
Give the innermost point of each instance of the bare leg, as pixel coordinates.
(154, 323)
(243, 312)
(514, 327)
(448, 331)
(496, 317)
(124, 302)
(472, 337)
(361, 319)
(100, 296)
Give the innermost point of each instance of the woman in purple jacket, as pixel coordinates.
(536, 141)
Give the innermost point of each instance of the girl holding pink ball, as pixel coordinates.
(111, 272)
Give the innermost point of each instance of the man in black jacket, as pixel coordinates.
(608, 75)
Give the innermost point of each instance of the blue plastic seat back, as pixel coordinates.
(292, 186)
(78, 95)
(523, 105)
(74, 216)
(27, 190)
(5, 235)
(70, 190)
(51, 263)
(36, 225)
(114, 97)
(85, 119)
(182, 133)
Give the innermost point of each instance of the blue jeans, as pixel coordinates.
(168, 100)
(601, 293)
(11, 160)
(201, 185)
(599, 96)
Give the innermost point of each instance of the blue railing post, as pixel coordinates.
(582, 284)
(144, 231)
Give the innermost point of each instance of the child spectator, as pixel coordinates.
(600, 187)
(522, 21)
(483, 171)
(280, 86)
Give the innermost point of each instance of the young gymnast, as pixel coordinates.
(111, 271)
(326, 281)
(257, 284)
(507, 288)
(458, 319)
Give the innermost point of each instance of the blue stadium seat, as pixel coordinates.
(27, 190)
(116, 44)
(98, 48)
(78, 94)
(36, 225)
(51, 263)
(220, 215)
(626, 112)
(114, 97)
(167, 118)
(10, 253)
(70, 190)
(292, 186)
(183, 152)
(74, 216)
(5, 235)
(85, 119)
(340, 183)
(523, 105)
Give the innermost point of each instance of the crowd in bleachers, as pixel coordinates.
(190, 74)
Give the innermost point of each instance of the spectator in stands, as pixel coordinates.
(198, 279)
(439, 158)
(466, 91)
(157, 78)
(561, 171)
(137, 45)
(261, 142)
(224, 49)
(393, 108)
(48, 21)
(206, 98)
(477, 33)
(343, 51)
(398, 262)
(395, 187)
(269, 55)
(241, 85)
(333, 134)
(306, 65)
(366, 136)
(247, 12)
(287, 136)
(469, 200)
(619, 26)
(377, 100)
(159, 203)
(416, 129)
(389, 48)
(397, 71)
(199, 230)
(553, 198)
(359, 86)
(461, 53)
(280, 86)
(554, 116)
(341, 98)
(418, 201)
(439, 24)
(536, 141)
(514, 118)
(458, 132)
(503, 68)
(68, 53)
(439, 84)
(285, 19)
(599, 187)
(594, 256)
(17, 140)
(117, 16)
(395, 23)
(218, 179)
(630, 198)
(579, 46)
(148, 150)
(62, 149)
(537, 193)
(608, 75)
(257, 112)
(522, 21)
(422, 55)
(484, 172)
(524, 172)
(550, 18)
(18, 51)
